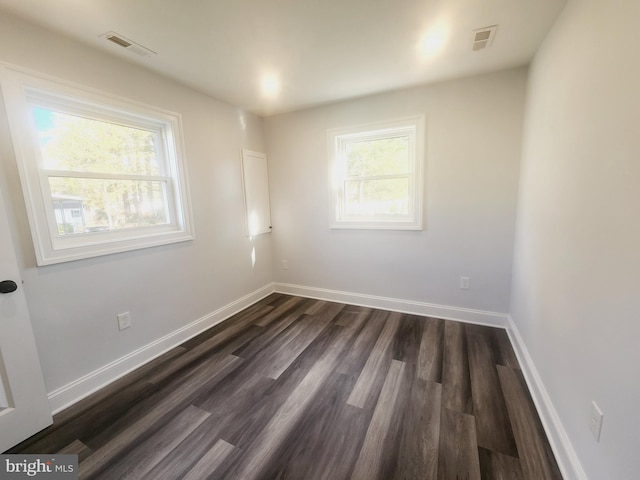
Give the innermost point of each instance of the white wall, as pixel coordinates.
(573, 295)
(74, 305)
(577, 256)
(473, 142)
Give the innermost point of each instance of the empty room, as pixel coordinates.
(341, 239)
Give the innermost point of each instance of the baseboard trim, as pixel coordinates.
(84, 386)
(480, 317)
(568, 461)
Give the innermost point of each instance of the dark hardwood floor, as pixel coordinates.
(294, 388)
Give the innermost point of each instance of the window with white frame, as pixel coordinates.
(376, 175)
(100, 174)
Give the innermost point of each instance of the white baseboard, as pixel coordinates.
(468, 315)
(84, 386)
(568, 462)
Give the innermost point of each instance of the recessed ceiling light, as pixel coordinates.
(270, 85)
(433, 40)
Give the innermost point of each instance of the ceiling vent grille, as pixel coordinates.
(130, 45)
(483, 37)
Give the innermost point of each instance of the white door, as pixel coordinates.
(24, 407)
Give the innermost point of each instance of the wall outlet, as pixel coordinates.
(464, 283)
(595, 421)
(124, 321)
(285, 264)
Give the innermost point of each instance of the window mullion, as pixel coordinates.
(104, 176)
(376, 177)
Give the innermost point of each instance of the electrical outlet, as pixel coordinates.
(124, 321)
(285, 265)
(464, 283)
(595, 421)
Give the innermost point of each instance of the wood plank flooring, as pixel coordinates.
(294, 388)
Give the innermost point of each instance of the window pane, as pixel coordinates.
(85, 205)
(386, 156)
(377, 197)
(70, 142)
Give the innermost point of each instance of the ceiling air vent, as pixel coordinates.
(483, 37)
(128, 44)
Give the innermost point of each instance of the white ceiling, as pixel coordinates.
(319, 50)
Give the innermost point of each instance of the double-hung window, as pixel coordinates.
(100, 174)
(376, 175)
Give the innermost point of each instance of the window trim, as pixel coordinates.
(415, 126)
(21, 90)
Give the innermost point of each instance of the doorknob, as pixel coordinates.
(8, 286)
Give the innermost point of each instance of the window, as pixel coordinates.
(100, 174)
(376, 175)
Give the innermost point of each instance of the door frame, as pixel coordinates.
(26, 406)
